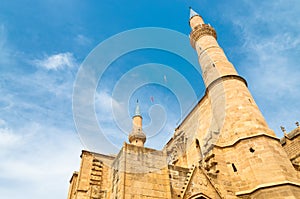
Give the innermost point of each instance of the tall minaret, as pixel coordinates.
(137, 136)
(246, 158)
(234, 110)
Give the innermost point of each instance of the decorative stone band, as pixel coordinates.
(265, 186)
(224, 78)
(201, 30)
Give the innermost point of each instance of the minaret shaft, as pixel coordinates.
(238, 147)
(137, 121)
(235, 114)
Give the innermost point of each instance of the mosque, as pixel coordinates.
(223, 149)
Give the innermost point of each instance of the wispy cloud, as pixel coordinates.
(57, 61)
(105, 102)
(112, 115)
(82, 40)
(5, 49)
(270, 48)
(39, 96)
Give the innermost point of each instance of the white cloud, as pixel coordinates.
(57, 61)
(2, 123)
(8, 139)
(37, 159)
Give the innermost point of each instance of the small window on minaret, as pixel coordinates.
(197, 143)
(233, 167)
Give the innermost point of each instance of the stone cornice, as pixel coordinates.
(246, 138)
(226, 77)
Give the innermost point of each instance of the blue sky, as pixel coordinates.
(44, 43)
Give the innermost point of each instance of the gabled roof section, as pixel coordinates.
(200, 185)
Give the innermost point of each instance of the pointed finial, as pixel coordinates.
(297, 124)
(137, 109)
(283, 130)
(193, 13)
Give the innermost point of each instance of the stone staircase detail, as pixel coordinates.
(187, 181)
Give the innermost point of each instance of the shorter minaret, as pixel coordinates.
(137, 136)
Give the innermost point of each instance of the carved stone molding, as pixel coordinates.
(177, 149)
(201, 30)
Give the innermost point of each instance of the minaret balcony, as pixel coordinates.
(201, 30)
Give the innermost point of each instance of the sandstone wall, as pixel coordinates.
(146, 173)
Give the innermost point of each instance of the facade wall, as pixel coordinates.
(292, 147)
(178, 177)
(250, 164)
(92, 180)
(117, 176)
(196, 126)
(73, 185)
(83, 185)
(146, 173)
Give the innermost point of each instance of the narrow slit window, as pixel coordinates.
(197, 143)
(233, 167)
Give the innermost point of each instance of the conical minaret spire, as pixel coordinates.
(137, 136)
(195, 19)
(193, 13)
(137, 111)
